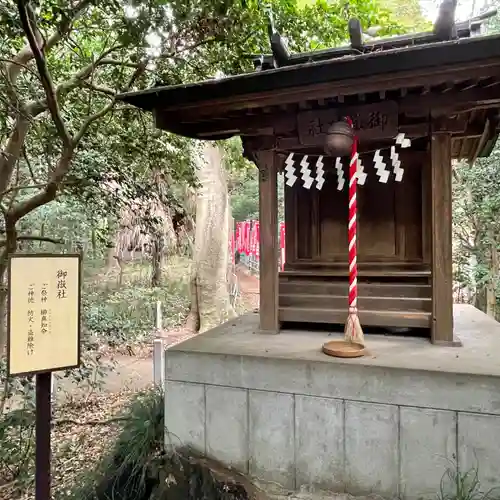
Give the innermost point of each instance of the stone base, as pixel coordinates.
(391, 423)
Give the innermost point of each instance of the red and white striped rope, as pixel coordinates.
(352, 226)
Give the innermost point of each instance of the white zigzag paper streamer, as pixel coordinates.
(402, 141)
(380, 167)
(289, 171)
(306, 173)
(396, 165)
(320, 173)
(360, 173)
(340, 174)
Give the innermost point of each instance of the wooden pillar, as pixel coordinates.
(267, 162)
(441, 240)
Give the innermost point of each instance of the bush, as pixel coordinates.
(128, 314)
(458, 485)
(129, 471)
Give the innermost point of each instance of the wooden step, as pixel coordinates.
(398, 319)
(364, 303)
(364, 289)
(383, 272)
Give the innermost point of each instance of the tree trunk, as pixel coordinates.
(3, 317)
(491, 296)
(156, 260)
(110, 259)
(10, 248)
(93, 243)
(170, 240)
(211, 304)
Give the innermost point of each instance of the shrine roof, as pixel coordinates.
(307, 70)
(424, 78)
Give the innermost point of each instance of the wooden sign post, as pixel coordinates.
(43, 336)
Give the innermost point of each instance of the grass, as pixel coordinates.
(457, 485)
(126, 311)
(125, 472)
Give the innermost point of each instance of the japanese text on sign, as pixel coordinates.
(372, 121)
(61, 284)
(43, 333)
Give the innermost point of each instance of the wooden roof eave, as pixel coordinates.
(281, 122)
(323, 79)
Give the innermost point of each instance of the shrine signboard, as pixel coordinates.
(371, 122)
(43, 336)
(43, 313)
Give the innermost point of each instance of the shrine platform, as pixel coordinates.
(390, 423)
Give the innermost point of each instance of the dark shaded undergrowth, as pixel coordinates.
(137, 467)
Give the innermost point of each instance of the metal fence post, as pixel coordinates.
(159, 318)
(159, 363)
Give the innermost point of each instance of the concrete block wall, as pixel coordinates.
(362, 430)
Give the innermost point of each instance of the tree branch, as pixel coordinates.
(116, 62)
(28, 164)
(12, 151)
(34, 238)
(91, 119)
(21, 66)
(48, 194)
(26, 54)
(87, 71)
(99, 89)
(19, 188)
(93, 423)
(50, 92)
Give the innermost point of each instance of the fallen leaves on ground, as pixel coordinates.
(83, 432)
(248, 288)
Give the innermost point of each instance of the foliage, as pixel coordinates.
(125, 472)
(111, 315)
(127, 314)
(17, 440)
(409, 14)
(245, 198)
(17, 414)
(476, 229)
(493, 24)
(17, 426)
(457, 485)
(64, 133)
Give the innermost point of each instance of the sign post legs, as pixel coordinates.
(42, 436)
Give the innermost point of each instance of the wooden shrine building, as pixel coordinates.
(440, 90)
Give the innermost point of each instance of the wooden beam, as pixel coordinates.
(441, 240)
(438, 104)
(490, 129)
(267, 163)
(371, 121)
(482, 141)
(284, 123)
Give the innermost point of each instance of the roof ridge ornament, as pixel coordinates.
(279, 49)
(355, 33)
(445, 27)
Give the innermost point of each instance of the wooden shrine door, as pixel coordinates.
(389, 221)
